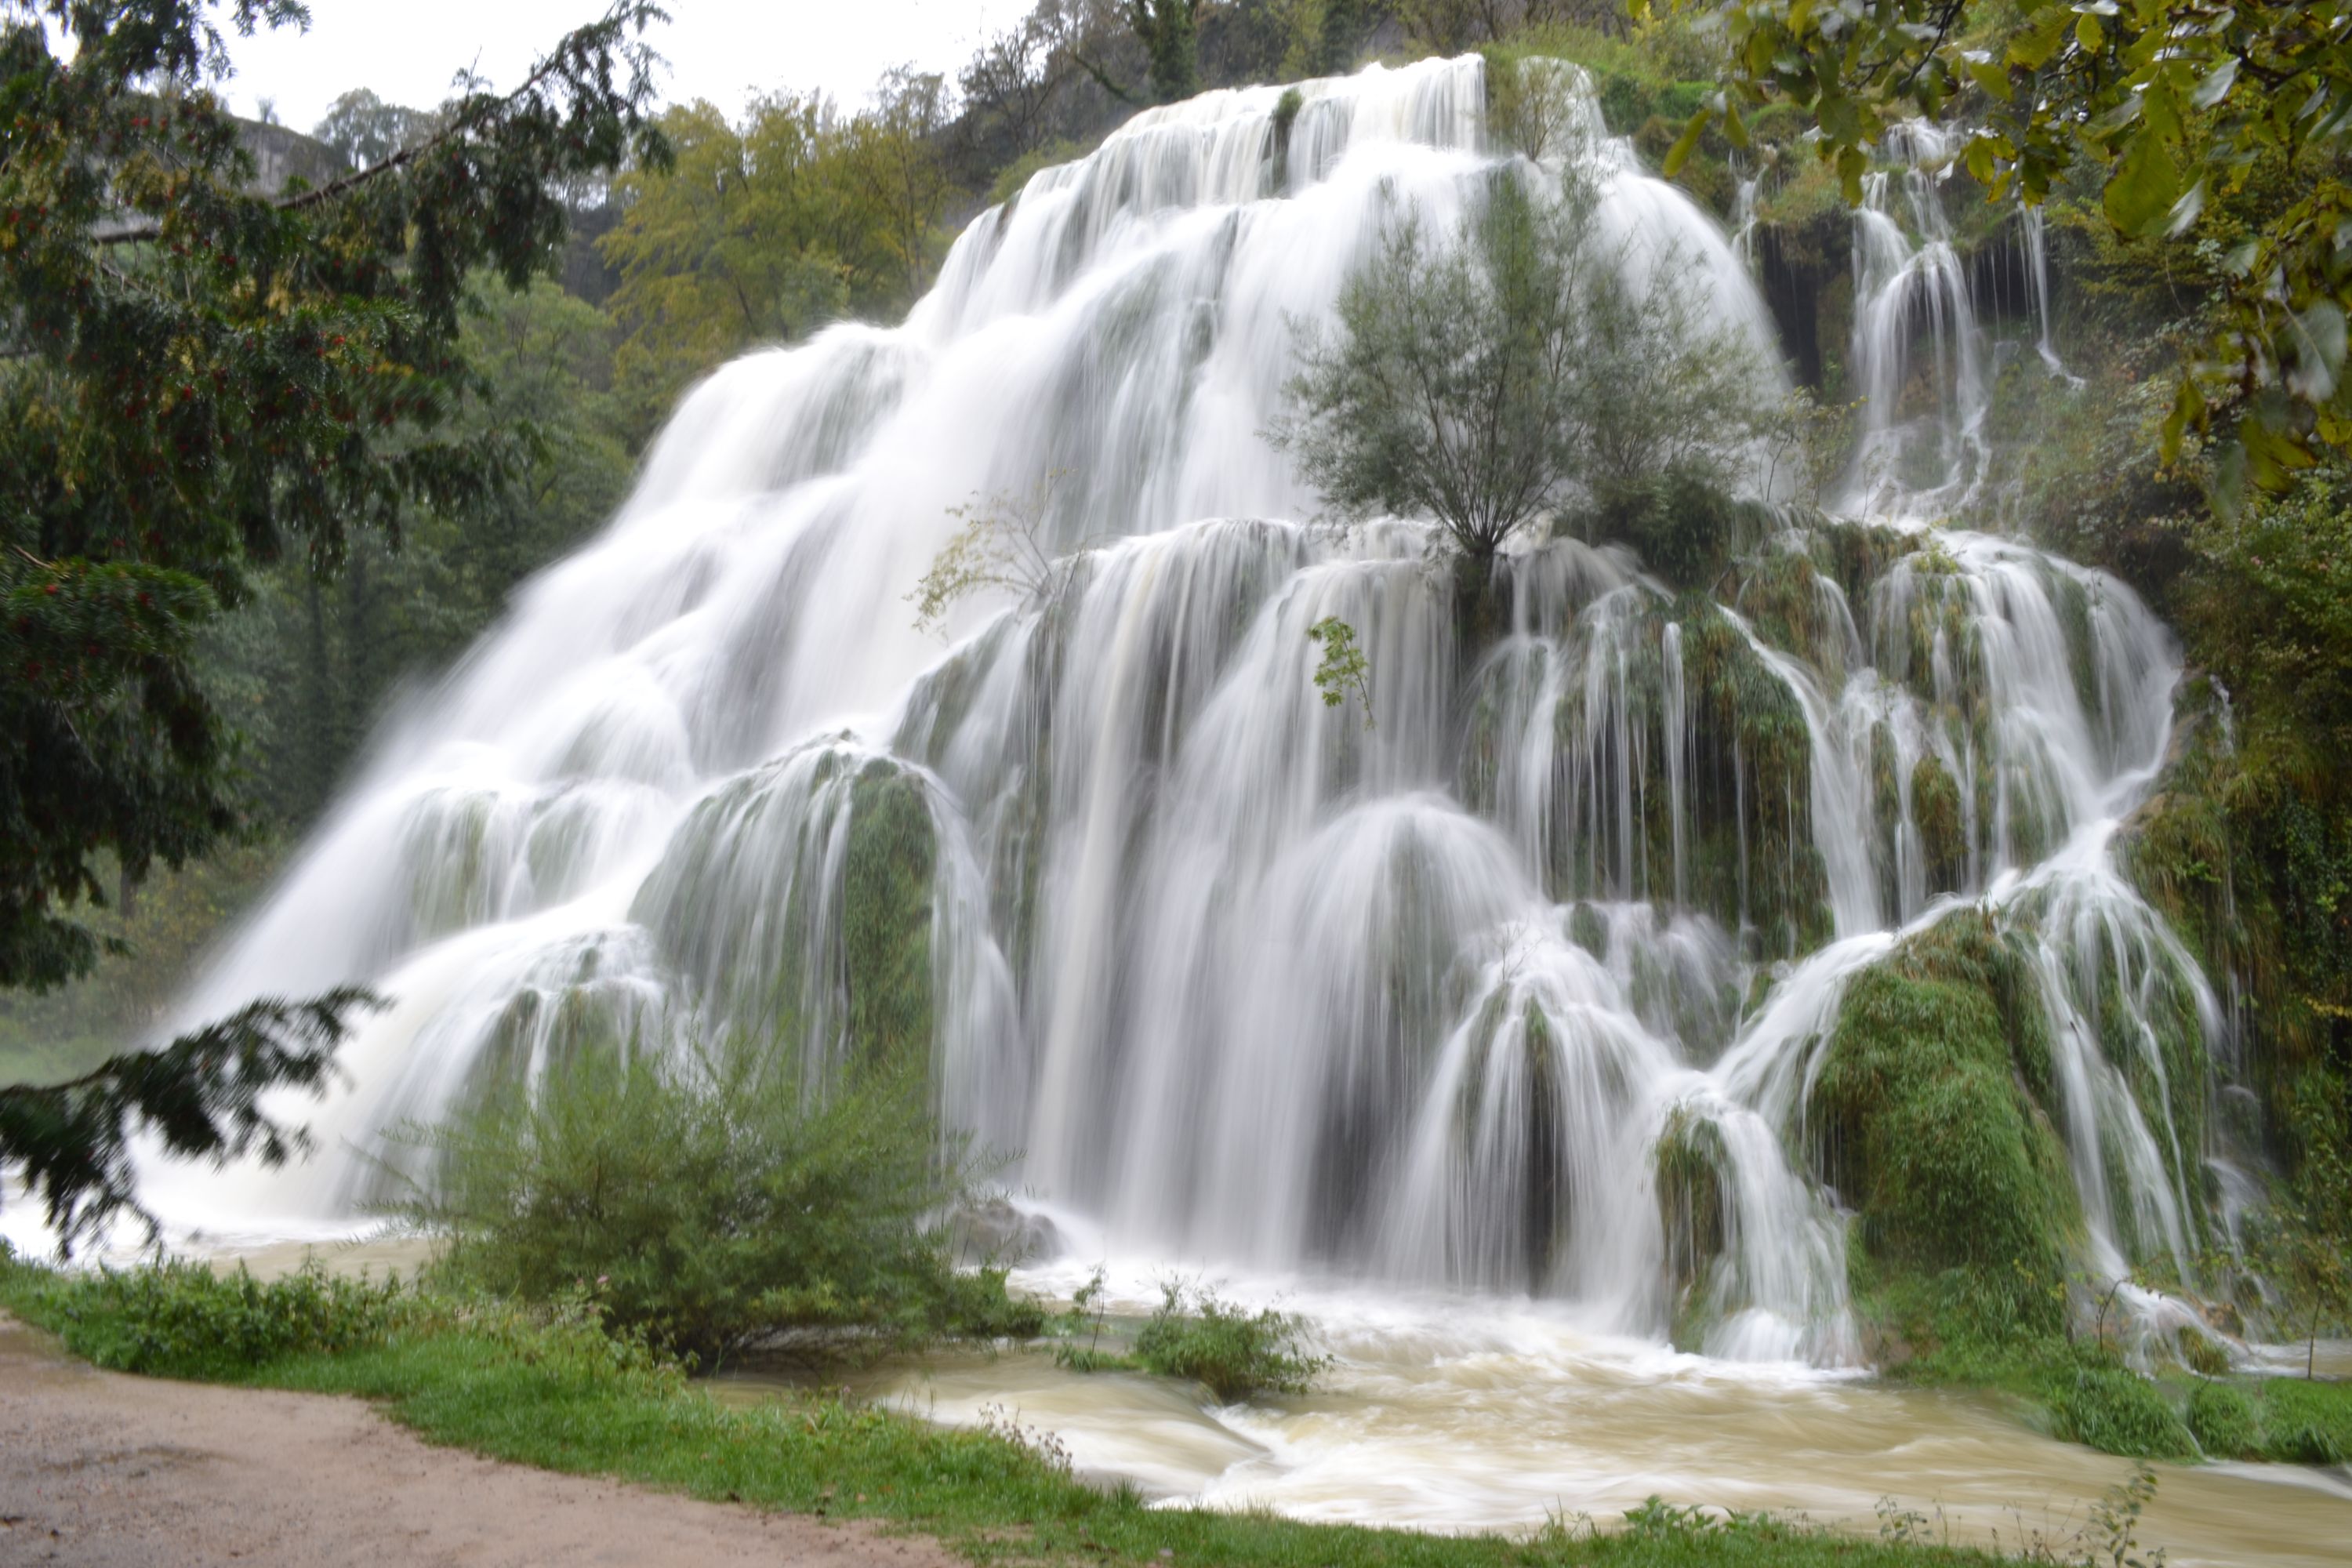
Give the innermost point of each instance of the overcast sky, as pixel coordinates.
(724, 51)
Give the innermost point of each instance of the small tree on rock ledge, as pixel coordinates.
(1515, 369)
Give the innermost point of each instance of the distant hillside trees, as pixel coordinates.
(763, 231)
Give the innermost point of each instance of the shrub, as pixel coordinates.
(1236, 1352)
(178, 1319)
(712, 1203)
(1681, 522)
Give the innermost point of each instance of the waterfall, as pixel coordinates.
(1908, 282)
(1513, 982)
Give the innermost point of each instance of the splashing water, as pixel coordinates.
(1518, 989)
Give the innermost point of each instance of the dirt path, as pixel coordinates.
(99, 1469)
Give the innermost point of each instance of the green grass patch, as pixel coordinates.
(2288, 1420)
(551, 1390)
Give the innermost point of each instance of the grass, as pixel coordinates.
(2285, 1420)
(551, 1390)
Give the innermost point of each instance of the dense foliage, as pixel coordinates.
(712, 1203)
(199, 1098)
(1510, 371)
(2175, 104)
(203, 378)
(765, 230)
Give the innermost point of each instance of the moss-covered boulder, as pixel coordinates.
(1929, 1124)
(796, 900)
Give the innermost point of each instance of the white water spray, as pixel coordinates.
(1242, 976)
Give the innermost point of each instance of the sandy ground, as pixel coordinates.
(99, 1469)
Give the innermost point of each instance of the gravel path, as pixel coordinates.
(99, 1469)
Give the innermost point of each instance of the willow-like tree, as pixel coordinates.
(1512, 370)
(199, 377)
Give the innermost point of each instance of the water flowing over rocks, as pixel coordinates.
(1534, 982)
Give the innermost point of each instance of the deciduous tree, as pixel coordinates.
(2169, 104)
(199, 378)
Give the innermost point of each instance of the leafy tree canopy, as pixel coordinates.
(1511, 370)
(765, 230)
(2169, 104)
(198, 378)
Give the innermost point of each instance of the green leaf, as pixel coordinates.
(1989, 75)
(2035, 45)
(1852, 165)
(2216, 86)
(1733, 127)
(1679, 154)
(2146, 182)
(2187, 410)
(1981, 163)
(2161, 107)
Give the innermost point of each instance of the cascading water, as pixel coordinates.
(1516, 982)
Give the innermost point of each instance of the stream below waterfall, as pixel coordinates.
(1467, 1414)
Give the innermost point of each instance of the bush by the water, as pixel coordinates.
(709, 1202)
(177, 1319)
(1236, 1352)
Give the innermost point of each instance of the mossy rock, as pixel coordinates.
(1689, 1159)
(885, 918)
(796, 900)
(1942, 830)
(1927, 1129)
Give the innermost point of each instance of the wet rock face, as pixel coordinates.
(996, 1234)
(1517, 971)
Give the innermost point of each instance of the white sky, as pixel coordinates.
(724, 51)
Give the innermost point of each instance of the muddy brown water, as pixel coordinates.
(1463, 1414)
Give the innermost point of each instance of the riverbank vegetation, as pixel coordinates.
(553, 1388)
(716, 1204)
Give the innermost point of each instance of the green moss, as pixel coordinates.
(1943, 831)
(1589, 930)
(885, 918)
(1285, 115)
(1689, 1161)
(1929, 1131)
